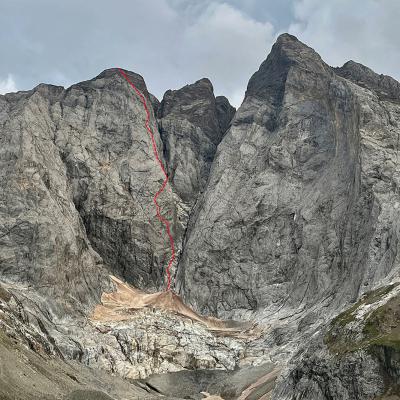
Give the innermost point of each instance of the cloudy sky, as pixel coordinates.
(175, 42)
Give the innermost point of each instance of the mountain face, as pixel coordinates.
(302, 188)
(192, 124)
(284, 215)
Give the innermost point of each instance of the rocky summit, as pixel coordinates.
(285, 222)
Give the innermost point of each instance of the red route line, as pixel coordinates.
(155, 151)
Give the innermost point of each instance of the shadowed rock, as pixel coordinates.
(192, 123)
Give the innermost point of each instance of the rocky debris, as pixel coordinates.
(27, 375)
(155, 342)
(139, 334)
(119, 305)
(192, 123)
(132, 335)
(30, 369)
(244, 384)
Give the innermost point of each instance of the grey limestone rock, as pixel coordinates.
(114, 176)
(384, 86)
(225, 113)
(192, 123)
(301, 207)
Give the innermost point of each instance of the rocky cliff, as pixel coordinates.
(192, 124)
(302, 188)
(284, 216)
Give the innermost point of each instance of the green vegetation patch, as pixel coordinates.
(381, 326)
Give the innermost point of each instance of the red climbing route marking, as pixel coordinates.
(164, 184)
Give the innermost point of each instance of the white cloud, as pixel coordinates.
(346, 29)
(175, 42)
(227, 46)
(170, 42)
(7, 85)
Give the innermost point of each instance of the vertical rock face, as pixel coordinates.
(357, 356)
(192, 123)
(301, 205)
(78, 180)
(225, 113)
(379, 131)
(114, 175)
(43, 242)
